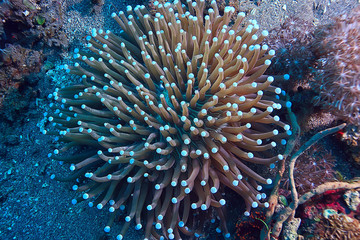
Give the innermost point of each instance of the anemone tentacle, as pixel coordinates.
(175, 108)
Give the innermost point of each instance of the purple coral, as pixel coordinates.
(313, 168)
(338, 83)
(292, 41)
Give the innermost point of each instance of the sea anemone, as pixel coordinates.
(171, 111)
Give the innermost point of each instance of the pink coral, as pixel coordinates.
(292, 41)
(313, 168)
(329, 200)
(339, 82)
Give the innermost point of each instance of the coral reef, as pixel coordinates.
(291, 228)
(350, 137)
(352, 200)
(335, 212)
(171, 112)
(314, 167)
(243, 6)
(338, 78)
(15, 102)
(16, 63)
(294, 58)
(292, 42)
(249, 227)
(337, 226)
(31, 24)
(332, 199)
(287, 213)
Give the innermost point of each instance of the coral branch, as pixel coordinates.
(327, 187)
(289, 212)
(273, 199)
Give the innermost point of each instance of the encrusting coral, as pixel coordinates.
(171, 111)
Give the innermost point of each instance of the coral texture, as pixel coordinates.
(249, 227)
(32, 23)
(172, 110)
(17, 62)
(313, 168)
(292, 43)
(350, 136)
(337, 226)
(339, 80)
